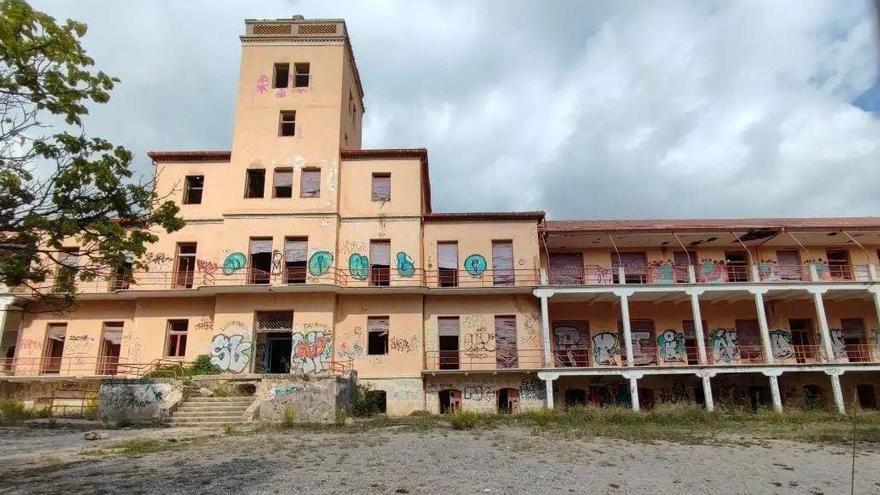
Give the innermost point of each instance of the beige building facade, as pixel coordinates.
(305, 254)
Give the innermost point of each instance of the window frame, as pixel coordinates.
(275, 173)
(275, 67)
(188, 188)
(175, 336)
(302, 181)
(247, 183)
(282, 121)
(297, 74)
(385, 339)
(380, 175)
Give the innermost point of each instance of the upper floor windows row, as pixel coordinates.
(299, 79)
(282, 183)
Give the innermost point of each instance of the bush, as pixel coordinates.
(13, 410)
(288, 420)
(365, 402)
(463, 420)
(201, 366)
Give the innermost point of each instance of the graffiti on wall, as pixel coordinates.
(277, 391)
(781, 343)
(262, 83)
(661, 272)
(725, 348)
(205, 324)
(405, 265)
(157, 260)
(133, 396)
(532, 388)
(606, 348)
(358, 266)
(399, 344)
(678, 393)
(838, 344)
(319, 263)
(475, 265)
(712, 271)
(230, 353)
(481, 392)
(234, 262)
(312, 350)
(349, 351)
(671, 344)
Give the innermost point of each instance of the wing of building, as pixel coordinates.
(304, 253)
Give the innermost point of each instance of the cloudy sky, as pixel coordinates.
(583, 109)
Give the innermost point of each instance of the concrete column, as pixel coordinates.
(765, 330)
(634, 392)
(872, 273)
(823, 326)
(698, 327)
(707, 394)
(692, 274)
(548, 393)
(545, 331)
(627, 331)
(5, 303)
(755, 273)
(876, 294)
(814, 273)
(621, 275)
(838, 392)
(774, 392)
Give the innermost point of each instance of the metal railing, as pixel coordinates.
(78, 366)
(498, 359)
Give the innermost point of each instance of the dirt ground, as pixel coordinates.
(506, 460)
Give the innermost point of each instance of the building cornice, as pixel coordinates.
(189, 156)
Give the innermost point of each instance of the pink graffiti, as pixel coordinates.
(262, 83)
(280, 93)
(311, 351)
(208, 269)
(30, 344)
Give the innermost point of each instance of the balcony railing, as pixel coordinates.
(518, 359)
(75, 366)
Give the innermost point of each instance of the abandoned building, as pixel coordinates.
(305, 254)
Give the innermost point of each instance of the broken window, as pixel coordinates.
(737, 263)
(377, 335)
(502, 263)
(295, 260)
(177, 330)
(447, 264)
(122, 276)
(381, 190)
(192, 190)
(282, 183)
(505, 342)
(186, 265)
(310, 183)
(447, 334)
(301, 75)
(255, 183)
(838, 264)
(54, 350)
(65, 279)
(111, 344)
(282, 74)
(274, 341)
(635, 267)
(260, 266)
(380, 263)
(287, 123)
(680, 262)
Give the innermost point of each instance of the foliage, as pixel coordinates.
(201, 366)
(13, 410)
(229, 429)
(463, 420)
(288, 419)
(60, 188)
(141, 446)
(364, 402)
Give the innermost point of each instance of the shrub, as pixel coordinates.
(463, 420)
(229, 429)
(13, 410)
(288, 420)
(201, 366)
(364, 402)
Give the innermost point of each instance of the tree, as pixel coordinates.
(59, 187)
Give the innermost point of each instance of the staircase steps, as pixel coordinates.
(196, 410)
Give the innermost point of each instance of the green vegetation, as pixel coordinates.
(288, 420)
(365, 403)
(201, 366)
(142, 446)
(463, 420)
(13, 411)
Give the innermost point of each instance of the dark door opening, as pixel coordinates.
(737, 263)
(260, 263)
(646, 398)
(802, 338)
(867, 397)
(448, 343)
(380, 400)
(854, 339)
(575, 397)
(508, 401)
(275, 349)
(758, 397)
(450, 400)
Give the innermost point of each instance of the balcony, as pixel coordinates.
(518, 359)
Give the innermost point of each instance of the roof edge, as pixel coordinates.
(495, 216)
(712, 225)
(190, 156)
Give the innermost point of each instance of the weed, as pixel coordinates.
(229, 429)
(143, 446)
(288, 420)
(463, 420)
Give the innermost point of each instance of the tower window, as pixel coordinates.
(255, 183)
(310, 184)
(301, 75)
(283, 183)
(192, 192)
(282, 74)
(381, 190)
(287, 125)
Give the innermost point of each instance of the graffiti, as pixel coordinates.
(661, 272)
(767, 271)
(205, 324)
(230, 353)
(352, 247)
(358, 266)
(262, 83)
(822, 271)
(724, 345)
(30, 344)
(281, 93)
(436, 387)
(477, 341)
(712, 271)
(277, 260)
(531, 388)
(430, 262)
(479, 392)
(132, 396)
(157, 260)
(351, 351)
(781, 343)
(475, 265)
(208, 269)
(672, 346)
(568, 337)
(80, 338)
(678, 393)
(234, 262)
(838, 345)
(311, 351)
(405, 265)
(320, 263)
(403, 345)
(606, 348)
(280, 390)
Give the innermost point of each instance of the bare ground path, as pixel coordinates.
(506, 460)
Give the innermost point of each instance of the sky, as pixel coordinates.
(583, 109)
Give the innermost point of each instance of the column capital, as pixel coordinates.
(875, 289)
(706, 373)
(759, 291)
(544, 293)
(695, 291)
(624, 292)
(772, 372)
(817, 290)
(630, 375)
(834, 371)
(548, 375)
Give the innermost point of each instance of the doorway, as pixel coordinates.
(260, 263)
(866, 396)
(508, 401)
(275, 349)
(448, 342)
(802, 338)
(575, 397)
(54, 350)
(450, 400)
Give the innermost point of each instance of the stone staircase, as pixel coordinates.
(196, 410)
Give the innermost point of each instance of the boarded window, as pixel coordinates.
(260, 265)
(377, 335)
(255, 183)
(287, 123)
(274, 321)
(380, 263)
(447, 334)
(635, 266)
(502, 263)
(295, 260)
(447, 264)
(789, 263)
(282, 75)
(505, 341)
(192, 191)
(310, 183)
(566, 269)
(186, 265)
(177, 330)
(381, 187)
(283, 183)
(301, 75)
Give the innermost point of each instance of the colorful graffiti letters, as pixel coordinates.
(358, 266)
(781, 343)
(320, 263)
(724, 345)
(230, 353)
(672, 346)
(475, 265)
(233, 263)
(405, 265)
(606, 348)
(311, 351)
